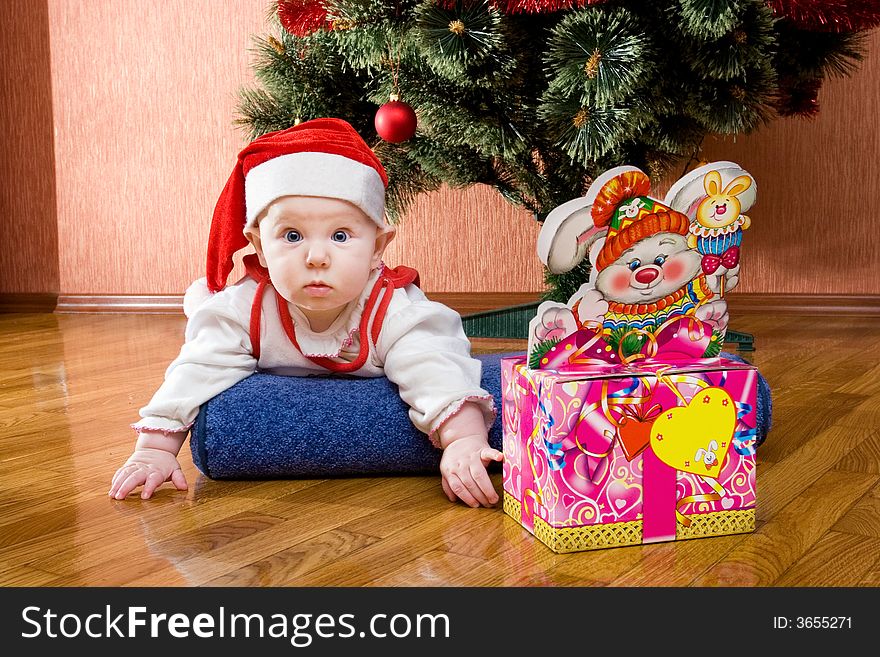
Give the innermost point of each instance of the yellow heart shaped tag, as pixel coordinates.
(695, 438)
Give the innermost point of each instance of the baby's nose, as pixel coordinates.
(317, 257)
(646, 275)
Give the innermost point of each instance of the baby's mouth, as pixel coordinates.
(318, 289)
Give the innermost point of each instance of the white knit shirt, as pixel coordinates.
(422, 348)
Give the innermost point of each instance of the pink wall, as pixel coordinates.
(28, 243)
(814, 227)
(144, 96)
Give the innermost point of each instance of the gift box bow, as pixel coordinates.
(642, 413)
(677, 339)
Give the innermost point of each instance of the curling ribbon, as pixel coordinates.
(554, 450)
(745, 437)
(703, 497)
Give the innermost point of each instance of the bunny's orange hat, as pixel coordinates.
(322, 157)
(631, 215)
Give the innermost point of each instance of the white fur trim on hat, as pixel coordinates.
(315, 174)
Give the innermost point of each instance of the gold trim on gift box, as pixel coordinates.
(594, 537)
(588, 537)
(576, 539)
(718, 523)
(511, 506)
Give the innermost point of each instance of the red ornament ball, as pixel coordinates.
(396, 121)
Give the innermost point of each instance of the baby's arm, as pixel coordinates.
(426, 353)
(466, 453)
(217, 354)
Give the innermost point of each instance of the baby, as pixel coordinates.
(316, 299)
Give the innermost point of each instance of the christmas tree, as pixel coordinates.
(537, 97)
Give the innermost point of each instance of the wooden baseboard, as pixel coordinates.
(27, 302)
(167, 304)
(463, 302)
(850, 305)
(466, 303)
(863, 305)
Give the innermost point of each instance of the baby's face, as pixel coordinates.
(319, 253)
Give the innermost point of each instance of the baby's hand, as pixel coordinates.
(463, 470)
(150, 467)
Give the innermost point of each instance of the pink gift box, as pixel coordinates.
(628, 454)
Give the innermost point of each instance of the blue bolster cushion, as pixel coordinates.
(272, 427)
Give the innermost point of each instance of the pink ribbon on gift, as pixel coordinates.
(679, 338)
(595, 445)
(658, 499)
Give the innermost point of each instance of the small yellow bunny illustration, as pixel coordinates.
(717, 230)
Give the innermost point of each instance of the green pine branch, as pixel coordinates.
(537, 105)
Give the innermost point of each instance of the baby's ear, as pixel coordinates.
(253, 236)
(383, 239)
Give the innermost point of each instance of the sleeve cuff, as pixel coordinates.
(485, 402)
(161, 424)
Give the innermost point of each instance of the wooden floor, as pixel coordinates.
(71, 384)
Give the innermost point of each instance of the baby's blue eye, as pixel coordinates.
(634, 264)
(659, 260)
(340, 236)
(293, 236)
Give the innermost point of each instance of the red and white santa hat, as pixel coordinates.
(322, 157)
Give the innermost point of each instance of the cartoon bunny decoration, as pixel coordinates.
(651, 260)
(714, 197)
(708, 455)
